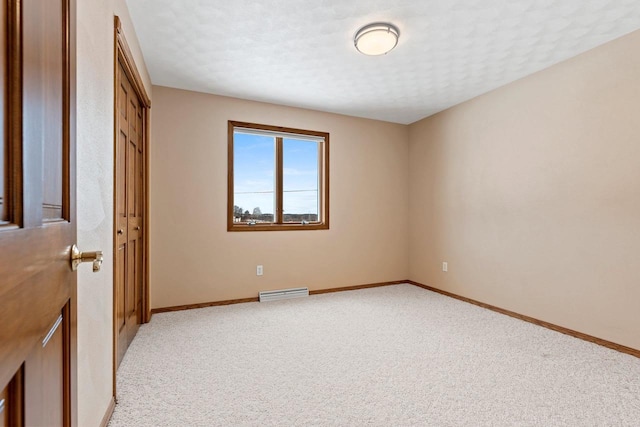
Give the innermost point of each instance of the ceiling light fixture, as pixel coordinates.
(376, 39)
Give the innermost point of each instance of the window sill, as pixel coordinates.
(277, 227)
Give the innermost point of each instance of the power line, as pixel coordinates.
(271, 192)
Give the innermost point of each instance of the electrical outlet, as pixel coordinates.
(259, 270)
(445, 266)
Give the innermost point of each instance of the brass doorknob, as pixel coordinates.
(78, 258)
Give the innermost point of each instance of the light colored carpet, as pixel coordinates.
(391, 356)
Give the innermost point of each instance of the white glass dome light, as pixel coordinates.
(376, 39)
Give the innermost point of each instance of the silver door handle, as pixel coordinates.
(78, 258)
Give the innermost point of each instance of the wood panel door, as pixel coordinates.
(129, 211)
(37, 205)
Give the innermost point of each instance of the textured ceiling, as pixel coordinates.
(301, 53)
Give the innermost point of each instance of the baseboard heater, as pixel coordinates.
(283, 294)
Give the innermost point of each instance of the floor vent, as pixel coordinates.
(283, 294)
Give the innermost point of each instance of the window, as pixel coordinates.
(278, 178)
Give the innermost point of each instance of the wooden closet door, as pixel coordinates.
(129, 212)
(37, 225)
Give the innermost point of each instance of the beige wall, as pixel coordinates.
(193, 257)
(531, 193)
(95, 56)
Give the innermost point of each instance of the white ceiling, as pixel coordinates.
(301, 53)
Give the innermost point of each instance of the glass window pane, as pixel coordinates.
(300, 180)
(254, 163)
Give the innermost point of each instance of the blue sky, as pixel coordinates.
(254, 179)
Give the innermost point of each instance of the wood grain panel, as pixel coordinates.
(131, 290)
(43, 96)
(131, 176)
(121, 190)
(129, 212)
(11, 402)
(120, 325)
(120, 267)
(133, 273)
(24, 332)
(38, 147)
(13, 148)
(130, 287)
(139, 159)
(4, 407)
(132, 114)
(33, 110)
(3, 109)
(44, 380)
